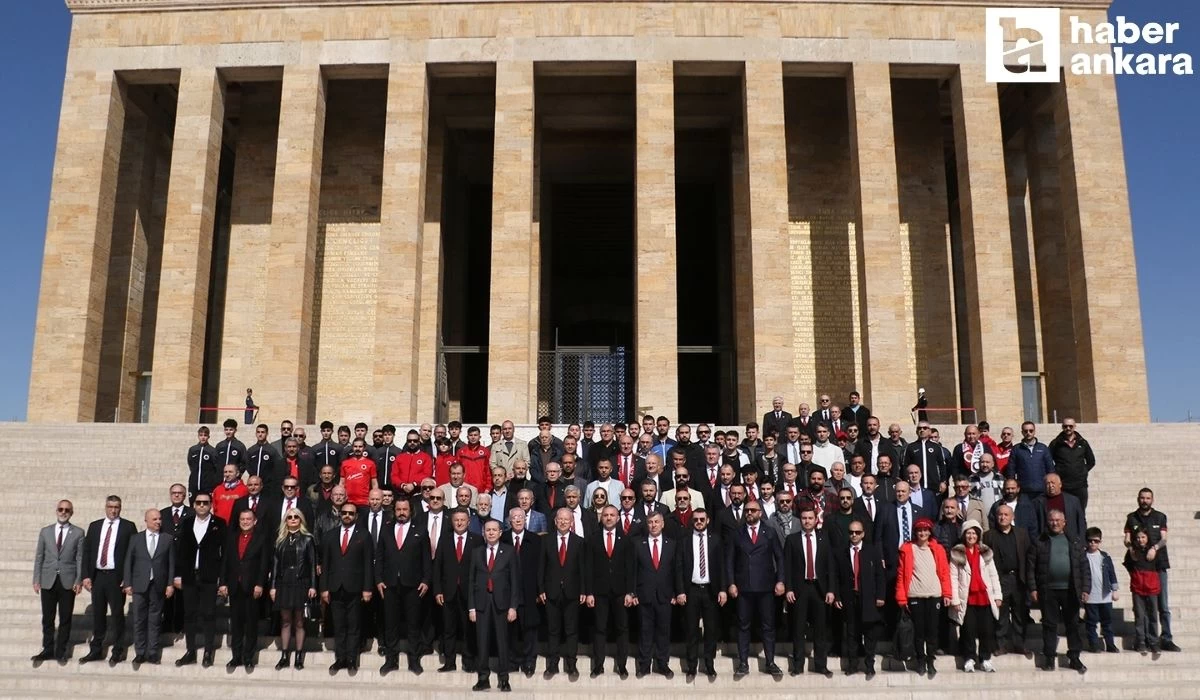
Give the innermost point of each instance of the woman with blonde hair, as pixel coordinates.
(293, 583)
(975, 604)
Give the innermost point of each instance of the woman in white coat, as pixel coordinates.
(975, 605)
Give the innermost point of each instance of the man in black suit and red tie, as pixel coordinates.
(754, 571)
(172, 515)
(776, 420)
(450, 589)
(808, 579)
(347, 577)
(860, 595)
(655, 584)
(493, 596)
(609, 549)
(565, 586)
(524, 635)
(403, 571)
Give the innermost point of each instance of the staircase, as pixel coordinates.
(87, 462)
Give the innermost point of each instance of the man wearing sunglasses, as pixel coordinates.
(1030, 461)
(347, 577)
(859, 595)
(57, 578)
(1073, 459)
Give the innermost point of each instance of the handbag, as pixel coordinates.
(905, 637)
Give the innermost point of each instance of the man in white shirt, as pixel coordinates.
(825, 453)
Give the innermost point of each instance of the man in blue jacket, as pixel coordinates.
(1030, 462)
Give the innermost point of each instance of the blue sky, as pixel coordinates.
(1162, 151)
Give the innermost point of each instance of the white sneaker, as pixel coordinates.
(987, 666)
(969, 666)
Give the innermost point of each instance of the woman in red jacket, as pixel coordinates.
(923, 590)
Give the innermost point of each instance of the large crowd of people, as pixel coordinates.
(814, 529)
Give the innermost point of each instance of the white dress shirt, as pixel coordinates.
(199, 529)
(700, 539)
(112, 546)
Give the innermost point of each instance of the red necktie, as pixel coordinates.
(562, 550)
(654, 553)
(399, 535)
(345, 539)
(608, 546)
(753, 535)
(712, 476)
(60, 539)
(491, 564)
(870, 508)
(855, 562)
(104, 547)
(552, 494)
(627, 522)
(808, 559)
(175, 517)
(458, 548)
(517, 541)
(291, 503)
(254, 503)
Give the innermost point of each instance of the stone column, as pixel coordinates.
(291, 260)
(1111, 361)
(187, 248)
(766, 165)
(398, 319)
(656, 348)
(66, 355)
(987, 248)
(513, 325)
(890, 362)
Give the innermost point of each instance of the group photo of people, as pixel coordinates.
(807, 543)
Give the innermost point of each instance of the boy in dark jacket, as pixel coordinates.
(1104, 592)
(1145, 587)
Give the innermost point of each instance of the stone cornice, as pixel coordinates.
(109, 6)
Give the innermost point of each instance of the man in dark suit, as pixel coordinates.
(565, 585)
(199, 546)
(374, 520)
(630, 518)
(859, 582)
(649, 503)
(57, 578)
(1055, 498)
(702, 565)
(754, 571)
(609, 550)
(347, 577)
(403, 572)
(655, 475)
(450, 590)
(524, 634)
(493, 596)
(148, 574)
(244, 567)
(105, 547)
(808, 579)
(270, 513)
(855, 412)
(730, 518)
(776, 420)
(172, 516)
(655, 583)
(930, 456)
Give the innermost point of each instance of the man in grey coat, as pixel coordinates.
(57, 577)
(149, 573)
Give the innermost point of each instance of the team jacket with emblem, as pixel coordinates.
(263, 461)
(327, 453)
(411, 467)
(383, 464)
(203, 472)
(231, 451)
(475, 466)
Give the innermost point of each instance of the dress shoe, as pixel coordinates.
(710, 671)
(1048, 664)
(299, 661)
(1170, 645)
(596, 672)
(795, 667)
(929, 669)
(482, 684)
(336, 666)
(1076, 665)
(139, 660)
(1095, 647)
(208, 659)
(116, 657)
(505, 687)
(352, 665)
(93, 655)
(622, 672)
(572, 671)
(824, 671)
(235, 662)
(43, 655)
(528, 671)
(447, 668)
(154, 660)
(61, 658)
(741, 671)
(389, 666)
(771, 669)
(414, 666)
(870, 672)
(1111, 648)
(250, 666)
(1139, 648)
(468, 666)
(919, 667)
(642, 673)
(187, 659)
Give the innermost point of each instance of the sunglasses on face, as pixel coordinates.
(428, 488)
(436, 498)
(293, 517)
(349, 512)
(856, 532)
(202, 503)
(1094, 541)
(627, 498)
(64, 510)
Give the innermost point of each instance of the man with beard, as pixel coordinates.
(821, 499)
(403, 572)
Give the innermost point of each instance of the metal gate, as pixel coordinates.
(578, 384)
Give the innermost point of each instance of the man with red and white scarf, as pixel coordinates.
(965, 456)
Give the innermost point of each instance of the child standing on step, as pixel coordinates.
(1145, 587)
(1104, 592)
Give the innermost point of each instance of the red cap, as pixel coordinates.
(923, 524)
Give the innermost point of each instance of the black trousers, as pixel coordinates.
(524, 635)
(108, 599)
(810, 609)
(762, 604)
(456, 625)
(57, 599)
(701, 607)
(562, 628)
(492, 623)
(1060, 607)
(243, 624)
(200, 614)
(1081, 493)
(1014, 612)
(655, 634)
(173, 614)
(346, 608)
(859, 638)
(978, 633)
(610, 614)
(925, 613)
(401, 610)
